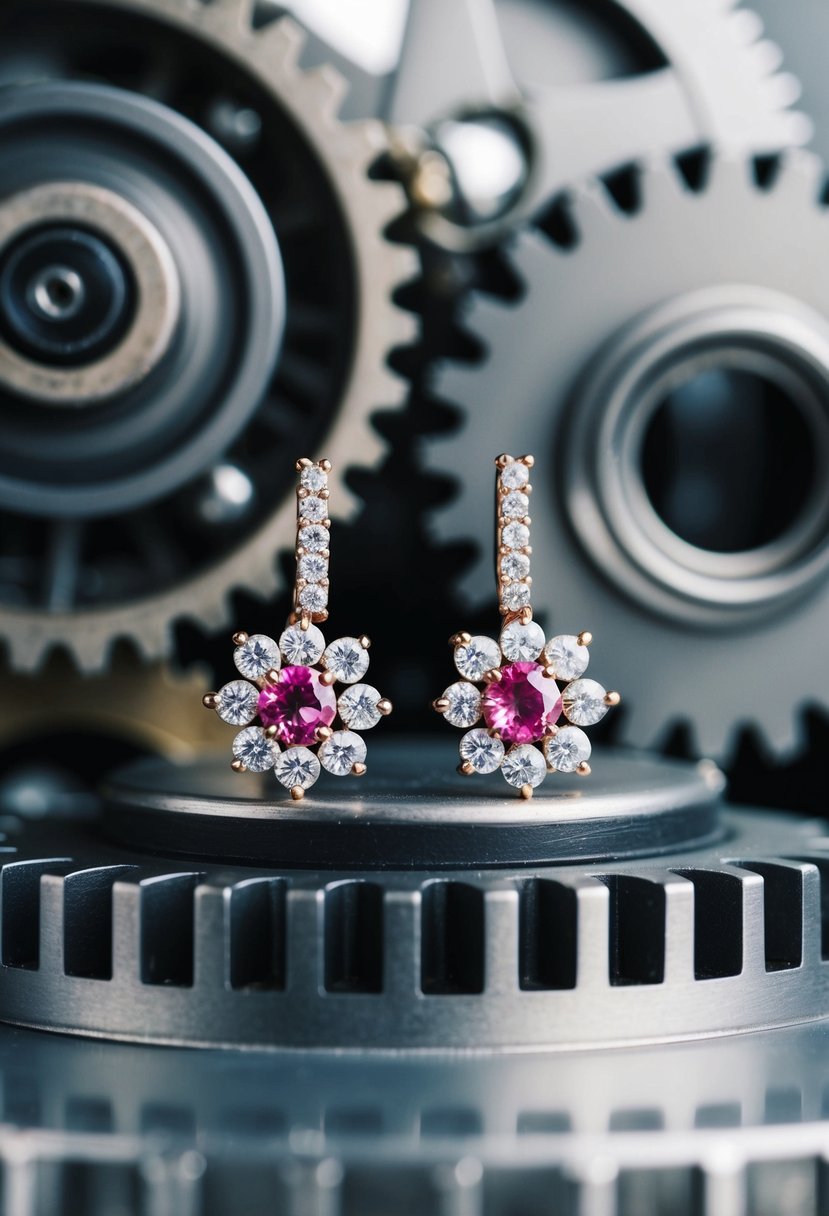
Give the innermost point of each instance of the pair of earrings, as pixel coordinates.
(528, 684)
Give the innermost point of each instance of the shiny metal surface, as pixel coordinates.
(444, 952)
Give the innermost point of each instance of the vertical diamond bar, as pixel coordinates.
(311, 583)
(512, 537)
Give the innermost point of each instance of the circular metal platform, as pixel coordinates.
(413, 811)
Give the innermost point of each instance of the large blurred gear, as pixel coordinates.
(674, 364)
(523, 97)
(179, 165)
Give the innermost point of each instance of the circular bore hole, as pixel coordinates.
(728, 460)
(58, 292)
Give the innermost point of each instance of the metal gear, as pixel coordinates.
(643, 78)
(104, 563)
(624, 314)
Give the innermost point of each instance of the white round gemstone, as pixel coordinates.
(302, 647)
(522, 643)
(515, 596)
(297, 766)
(481, 751)
(358, 706)
(313, 478)
(567, 749)
(313, 508)
(515, 565)
(464, 707)
(237, 702)
(567, 657)
(477, 656)
(341, 751)
(524, 765)
(313, 538)
(346, 659)
(515, 505)
(312, 568)
(313, 597)
(515, 536)
(515, 475)
(258, 655)
(255, 749)
(584, 702)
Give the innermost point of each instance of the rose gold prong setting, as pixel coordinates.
(240, 638)
(364, 641)
(465, 769)
(238, 766)
(327, 678)
(322, 733)
(526, 791)
(270, 732)
(358, 769)
(272, 676)
(209, 700)
(297, 793)
(585, 637)
(584, 769)
(493, 676)
(612, 698)
(384, 706)
(440, 705)
(460, 639)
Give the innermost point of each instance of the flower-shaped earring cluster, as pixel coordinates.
(286, 703)
(534, 699)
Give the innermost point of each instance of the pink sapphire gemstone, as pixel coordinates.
(522, 704)
(298, 705)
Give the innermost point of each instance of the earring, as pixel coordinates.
(521, 702)
(289, 686)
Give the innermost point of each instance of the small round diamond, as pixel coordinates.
(297, 766)
(481, 751)
(339, 753)
(522, 643)
(313, 538)
(258, 655)
(584, 702)
(524, 766)
(515, 505)
(254, 749)
(567, 657)
(515, 596)
(567, 749)
(464, 707)
(515, 536)
(313, 508)
(312, 568)
(302, 646)
(515, 565)
(313, 597)
(347, 660)
(313, 478)
(515, 475)
(236, 702)
(358, 706)
(477, 656)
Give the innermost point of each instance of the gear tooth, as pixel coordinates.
(664, 186)
(767, 56)
(730, 174)
(282, 43)
(745, 26)
(363, 142)
(238, 14)
(329, 88)
(799, 175)
(592, 211)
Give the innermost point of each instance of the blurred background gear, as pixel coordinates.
(519, 97)
(684, 404)
(168, 168)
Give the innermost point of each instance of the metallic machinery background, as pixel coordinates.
(611, 1002)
